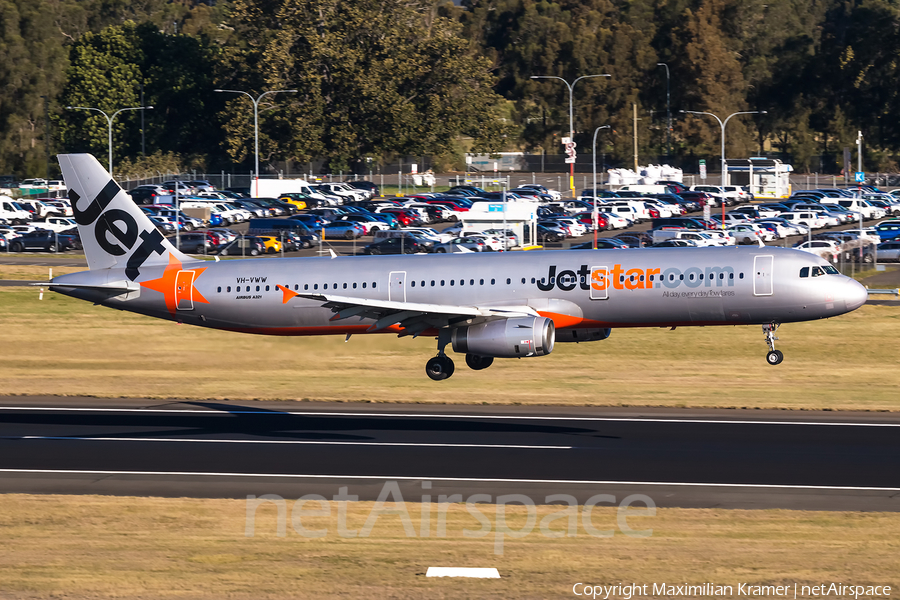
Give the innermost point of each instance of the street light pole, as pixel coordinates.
(571, 87)
(595, 215)
(256, 123)
(109, 120)
(722, 124)
(668, 114)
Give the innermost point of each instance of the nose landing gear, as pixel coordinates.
(774, 357)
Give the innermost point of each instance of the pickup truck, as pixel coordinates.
(42, 239)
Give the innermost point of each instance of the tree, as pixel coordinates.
(31, 71)
(373, 77)
(108, 71)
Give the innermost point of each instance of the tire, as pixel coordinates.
(52, 248)
(440, 251)
(439, 368)
(307, 244)
(477, 363)
(349, 235)
(271, 250)
(374, 229)
(188, 227)
(254, 252)
(17, 247)
(774, 357)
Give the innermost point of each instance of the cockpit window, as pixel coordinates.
(830, 270)
(804, 272)
(816, 271)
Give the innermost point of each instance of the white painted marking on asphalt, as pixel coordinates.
(457, 479)
(225, 413)
(303, 442)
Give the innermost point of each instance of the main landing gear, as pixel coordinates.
(441, 367)
(774, 357)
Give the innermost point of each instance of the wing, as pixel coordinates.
(413, 317)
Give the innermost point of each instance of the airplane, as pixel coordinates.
(483, 305)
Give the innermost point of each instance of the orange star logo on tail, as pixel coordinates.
(174, 287)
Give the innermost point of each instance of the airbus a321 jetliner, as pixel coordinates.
(497, 305)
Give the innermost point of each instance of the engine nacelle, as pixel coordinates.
(506, 338)
(582, 335)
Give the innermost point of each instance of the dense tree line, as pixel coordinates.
(379, 79)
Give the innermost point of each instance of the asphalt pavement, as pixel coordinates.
(689, 458)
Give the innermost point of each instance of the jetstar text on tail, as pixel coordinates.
(118, 224)
(623, 278)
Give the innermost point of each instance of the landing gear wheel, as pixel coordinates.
(477, 362)
(774, 357)
(439, 367)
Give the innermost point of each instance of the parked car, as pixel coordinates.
(889, 251)
(393, 246)
(196, 243)
(602, 244)
(42, 239)
(344, 229)
(460, 244)
(242, 246)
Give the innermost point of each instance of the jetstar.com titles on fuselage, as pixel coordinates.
(623, 278)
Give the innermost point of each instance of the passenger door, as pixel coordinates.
(397, 288)
(762, 275)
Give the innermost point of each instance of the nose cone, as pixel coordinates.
(855, 294)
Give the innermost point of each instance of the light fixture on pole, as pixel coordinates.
(109, 120)
(595, 215)
(571, 87)
(668, 114)
(722, 124)
(256, 123)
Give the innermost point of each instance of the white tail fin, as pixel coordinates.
(113, 230)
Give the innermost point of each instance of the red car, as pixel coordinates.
(585, 219)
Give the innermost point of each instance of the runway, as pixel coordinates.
(689, 458)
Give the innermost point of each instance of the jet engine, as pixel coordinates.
(506, 338)
(582, 335)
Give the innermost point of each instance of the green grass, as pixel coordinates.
(61, 346)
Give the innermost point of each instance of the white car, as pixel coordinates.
(808, 218)
(492, 243)
(828, 249)
(665, 210)
(59, 223)
(511, 239)
(460, 245)
(750, 233)
(577, 228)
(438, 237)
(211, 194)
(829, 219)
(697, 236)
(616, 221)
